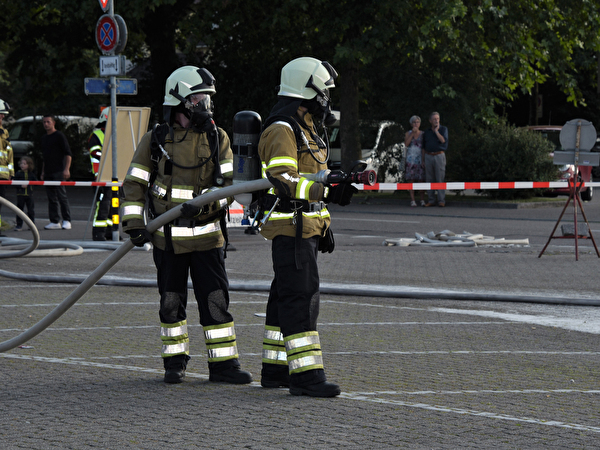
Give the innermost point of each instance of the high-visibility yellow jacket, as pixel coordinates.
(178, 180)
(284, 165)
(95, 142)
(7, 166)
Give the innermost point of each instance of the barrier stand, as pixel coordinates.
(582, 134)
(574, 195)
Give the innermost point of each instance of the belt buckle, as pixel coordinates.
(184, 223)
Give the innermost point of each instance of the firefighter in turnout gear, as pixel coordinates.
(298, 227)
(7, 167)
(102, 225)
(180, 159)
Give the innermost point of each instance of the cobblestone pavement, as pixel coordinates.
(416, 373)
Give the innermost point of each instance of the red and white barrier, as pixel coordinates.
(60, 183)
(452, 186)
(459, 186)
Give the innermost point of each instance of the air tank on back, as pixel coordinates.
(247, 126)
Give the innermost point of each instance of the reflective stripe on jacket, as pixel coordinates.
(285, 166)
(95, 143)
(7, 166)
(177, 181)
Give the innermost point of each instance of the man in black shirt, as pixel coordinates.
(56, 167)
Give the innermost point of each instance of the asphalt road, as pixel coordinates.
(490, 366)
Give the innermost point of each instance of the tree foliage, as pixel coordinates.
(499, 152)
(466, 59)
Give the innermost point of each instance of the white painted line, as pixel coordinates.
(483, 391)
(393, 353)
(364, 397)
(576, 324)
(240, 325)
(80, 362)
(353, 324)
(553, 423)
(152, 303)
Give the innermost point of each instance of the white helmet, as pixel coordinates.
(4, 108)
(185, 81)
(103, 115)
(306, 78)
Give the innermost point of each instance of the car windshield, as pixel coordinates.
(18, 132)
(553, 136)
(25, 131)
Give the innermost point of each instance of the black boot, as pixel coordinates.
(322, 389)
(175, 368)
(230, 374)
(313, 383)
(274, 376)
(98, 234)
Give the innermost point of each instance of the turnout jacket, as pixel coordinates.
(7, 167)
(95, 143)
(285, 165)
(175, 185)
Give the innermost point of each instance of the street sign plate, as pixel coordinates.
(122, 34)
(101, 86)
(96, 86)
(107, 33)
(584, 158)
(126, 86)
(104, 5)
(112, 65)
(587, 135)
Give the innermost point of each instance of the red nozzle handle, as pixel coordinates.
(368, 177)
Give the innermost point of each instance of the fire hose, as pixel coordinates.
(163, 219)
(103, 268)
(230, 191)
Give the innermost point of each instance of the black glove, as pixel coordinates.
(139, 236)
(327, 242)
(189, 211)
(341, 194)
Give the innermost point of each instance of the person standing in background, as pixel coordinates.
(7, 168)
(102, 225)
(414, 171)
(25, 193)
(56, 167)
(435, 143)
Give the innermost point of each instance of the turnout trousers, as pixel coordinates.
(102, 223)
(211, 289)
(291, 341)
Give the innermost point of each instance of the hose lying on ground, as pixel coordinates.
(121, 251)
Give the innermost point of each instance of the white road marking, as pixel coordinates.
(369, 396)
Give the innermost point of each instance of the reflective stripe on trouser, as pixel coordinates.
(304, 352)
(175, 339)
(220, 342)
(273, 346)
(102, 211)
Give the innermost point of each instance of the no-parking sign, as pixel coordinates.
(107, 33)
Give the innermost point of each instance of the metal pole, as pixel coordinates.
(113, 125)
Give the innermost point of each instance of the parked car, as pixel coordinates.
(382, 147)
(26, 132)
(552, 133)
